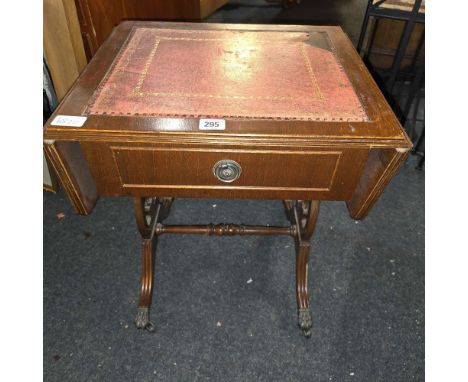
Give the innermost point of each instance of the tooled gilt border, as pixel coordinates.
(129, 40)
(136, 92)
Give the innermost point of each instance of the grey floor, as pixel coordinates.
(366, 281)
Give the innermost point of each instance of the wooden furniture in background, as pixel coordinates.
(64, 52)
(304, 122)
(63, 46)
(386, 34)
(98, 17)
(390, 26)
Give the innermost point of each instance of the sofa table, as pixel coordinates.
(167, 110)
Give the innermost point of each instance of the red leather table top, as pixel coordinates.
(228, 74)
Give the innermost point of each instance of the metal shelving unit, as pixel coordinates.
(411, 12)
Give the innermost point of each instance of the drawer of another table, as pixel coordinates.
(187, 171)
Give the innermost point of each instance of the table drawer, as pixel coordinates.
(182, 171)
(187, 171)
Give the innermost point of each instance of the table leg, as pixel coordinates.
(148, 213)
(148, 249)
(302, 295)
(304, 215)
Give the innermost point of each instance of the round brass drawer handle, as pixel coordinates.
(227, 170)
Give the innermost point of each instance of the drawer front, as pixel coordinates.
(192, 172)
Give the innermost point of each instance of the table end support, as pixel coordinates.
(148, 213)
(304, 215)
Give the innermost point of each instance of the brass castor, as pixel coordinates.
(142, 320)
(305, 322)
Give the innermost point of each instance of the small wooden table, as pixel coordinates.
(225, 111)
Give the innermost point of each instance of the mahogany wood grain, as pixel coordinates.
(381, 166)
(302, 259)
(148, 247)
(148, 251)
(225, 230)
(310, 219)
(148, 213)
(304, 215)
(136, 170)
(70, 166)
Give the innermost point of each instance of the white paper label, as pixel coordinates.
(212, 124)
(68, 120)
